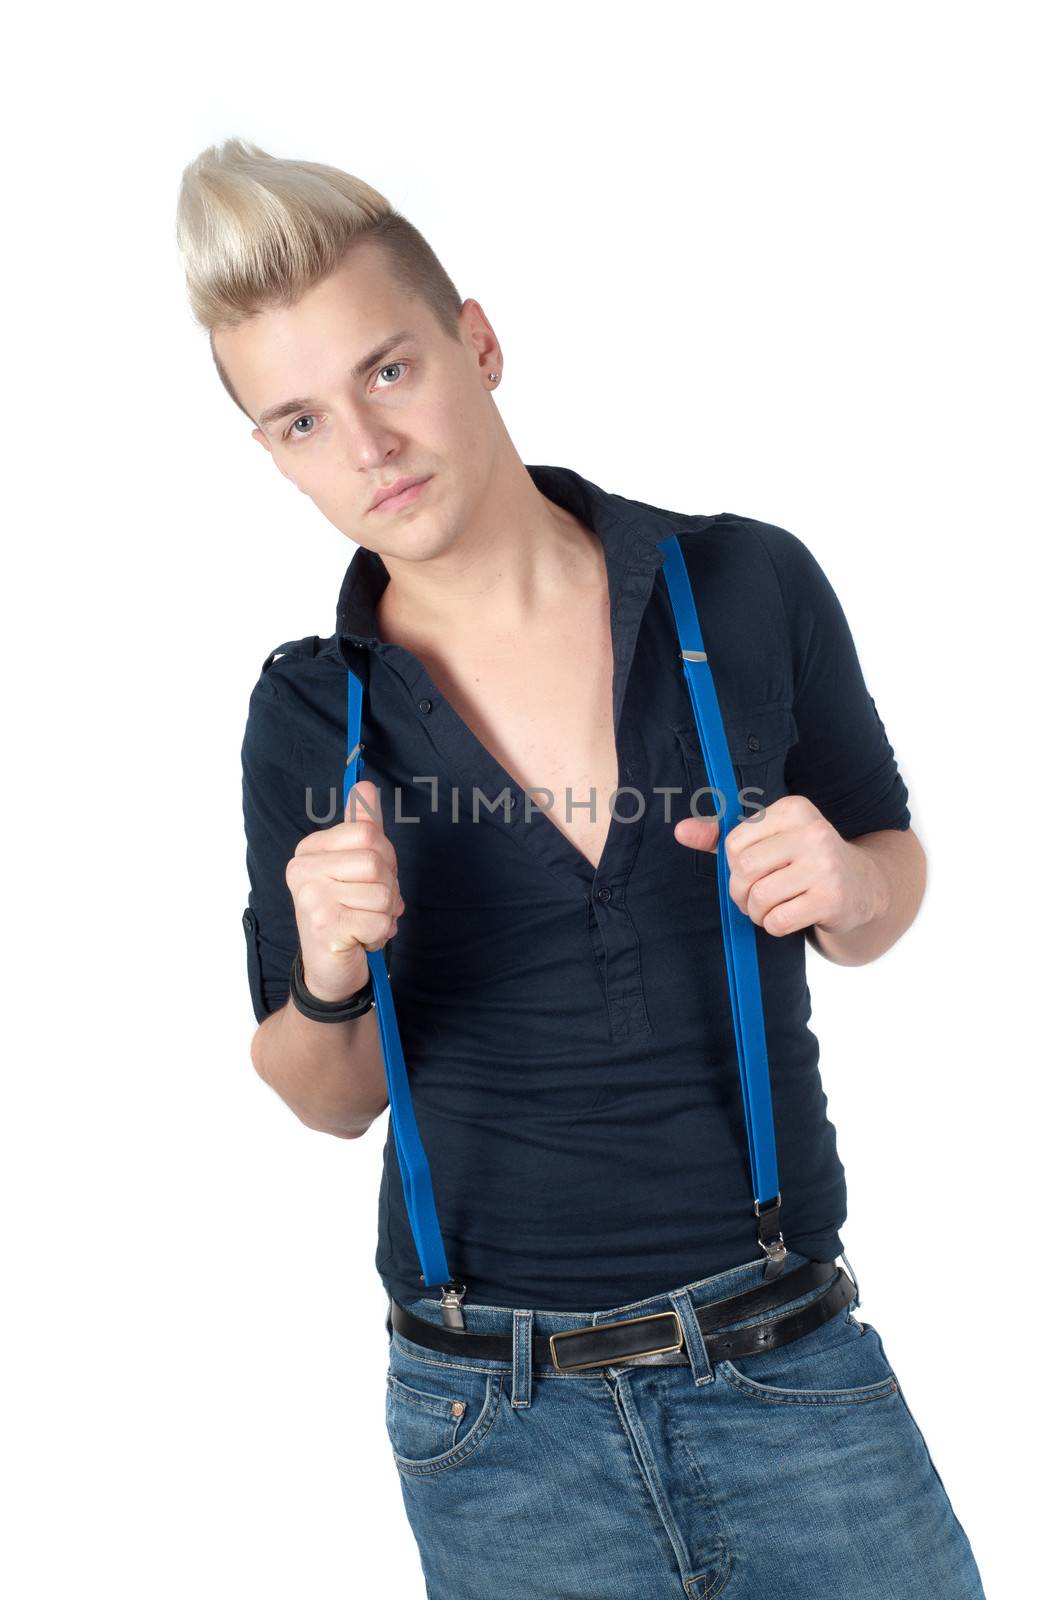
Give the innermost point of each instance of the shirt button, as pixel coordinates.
(605, 894)
(752, 743)
(424, 705)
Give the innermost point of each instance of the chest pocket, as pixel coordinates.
(759, 744)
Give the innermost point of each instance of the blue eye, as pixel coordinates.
(295, 432)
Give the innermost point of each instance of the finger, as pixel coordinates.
(345, 866)
(364, 837)
(354, 928)
(362, 832)
(370, 896)
(321, 904)
(698, 833)
(789, 915)
(758, 844)
(767, 885)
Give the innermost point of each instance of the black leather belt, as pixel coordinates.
(607, 1343)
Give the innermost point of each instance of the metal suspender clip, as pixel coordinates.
(450, 1298)
(769, 1235)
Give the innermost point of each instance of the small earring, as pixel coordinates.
(494, 376)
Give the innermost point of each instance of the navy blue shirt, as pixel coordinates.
(567, 1030)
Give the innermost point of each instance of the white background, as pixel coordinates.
(793, 261)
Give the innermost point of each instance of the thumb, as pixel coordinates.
(698, 833)
(368, 806)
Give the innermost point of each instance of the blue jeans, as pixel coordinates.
(797, 1472)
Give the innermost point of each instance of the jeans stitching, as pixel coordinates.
(878, 1390)
(460, 1453)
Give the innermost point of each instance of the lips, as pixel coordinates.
(398, 490)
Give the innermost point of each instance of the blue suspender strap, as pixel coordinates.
(739, 931)
(413, 1164)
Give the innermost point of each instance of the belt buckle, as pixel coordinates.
(625, 1322)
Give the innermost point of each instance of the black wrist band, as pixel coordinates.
(356, 1005)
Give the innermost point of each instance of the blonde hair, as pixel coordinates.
(255, 232)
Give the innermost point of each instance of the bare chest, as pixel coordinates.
(543, 708)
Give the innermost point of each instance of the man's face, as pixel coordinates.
(420, 408)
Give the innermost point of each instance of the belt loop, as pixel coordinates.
(692, 1336)
(522, 1358)
(852, 1275)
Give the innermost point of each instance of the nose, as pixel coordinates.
(372, 443)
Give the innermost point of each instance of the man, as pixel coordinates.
(558, 970)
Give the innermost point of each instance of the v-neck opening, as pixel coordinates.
(632, 560)
(587, 868)
(488, 770)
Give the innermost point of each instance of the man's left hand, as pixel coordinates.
(790, 868)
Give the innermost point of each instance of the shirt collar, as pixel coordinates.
(628, 529)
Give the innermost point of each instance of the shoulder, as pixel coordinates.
(741, 566)
(300, 660)
(749, 541)
(757, 569)
(727, 545)
(298, 702)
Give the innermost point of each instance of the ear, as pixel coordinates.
(481, 335)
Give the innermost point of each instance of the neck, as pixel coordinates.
(518, 564)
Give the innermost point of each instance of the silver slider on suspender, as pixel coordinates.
(450, 1299)
(693, 655)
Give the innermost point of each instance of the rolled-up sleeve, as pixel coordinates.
(843, 760)
(274, 821)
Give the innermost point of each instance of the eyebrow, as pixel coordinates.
(360, 370)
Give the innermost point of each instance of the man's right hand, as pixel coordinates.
(344, 885)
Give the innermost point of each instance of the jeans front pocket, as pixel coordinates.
(438, 1411)
(841, 1362)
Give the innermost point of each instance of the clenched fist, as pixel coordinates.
(344, 885)
(789, 868)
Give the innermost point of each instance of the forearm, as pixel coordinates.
(893, 876)
(331, 1074)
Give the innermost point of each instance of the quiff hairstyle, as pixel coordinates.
(255, 232)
